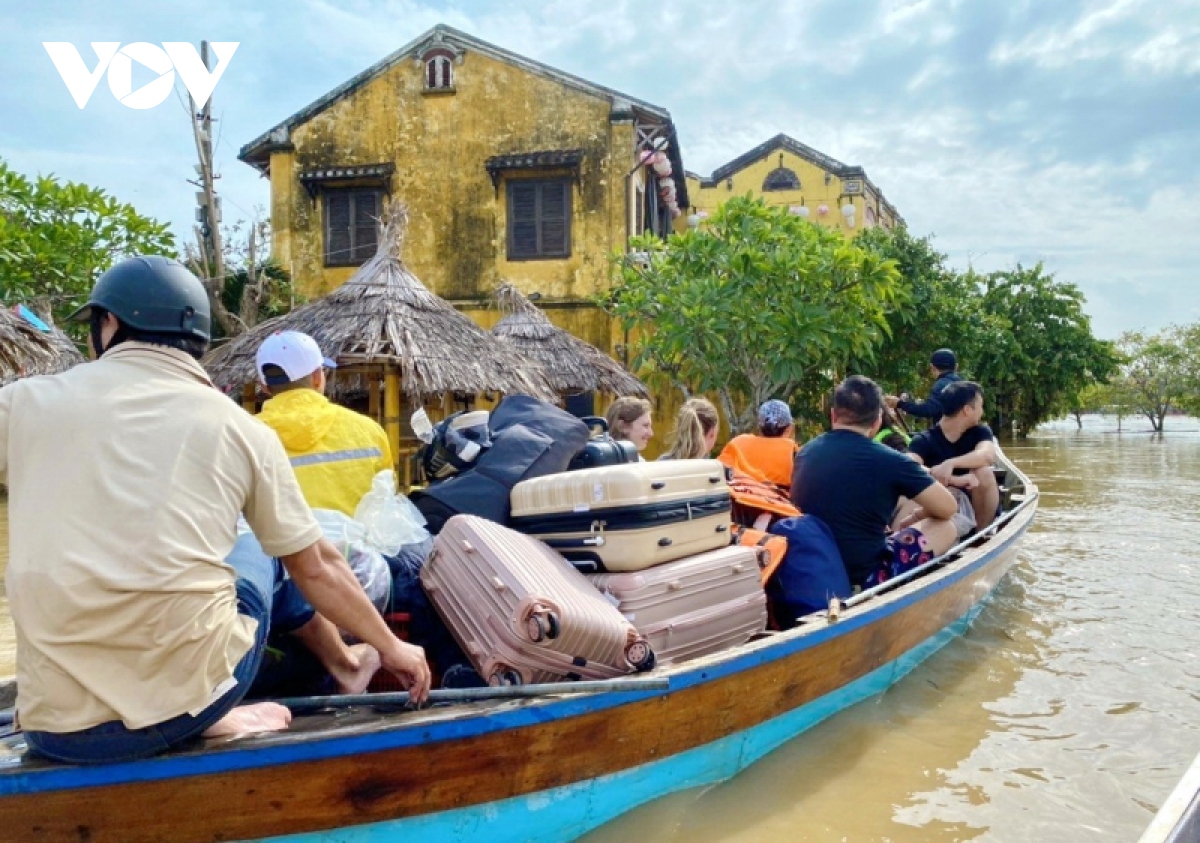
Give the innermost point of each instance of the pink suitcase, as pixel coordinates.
(693, 606)
(521, 613)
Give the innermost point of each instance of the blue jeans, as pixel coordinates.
(263, 594)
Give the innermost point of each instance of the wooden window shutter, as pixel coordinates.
(523, 219)
(539, 219)
(366, 226)
(337, 228)
(554, 222)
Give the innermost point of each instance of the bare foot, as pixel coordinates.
(248, 719)
(353, 679)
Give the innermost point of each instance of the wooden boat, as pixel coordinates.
(1178, 820)
(543, 769)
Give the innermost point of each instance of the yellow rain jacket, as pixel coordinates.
(335, 452)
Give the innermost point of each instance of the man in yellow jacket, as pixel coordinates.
(334, 451)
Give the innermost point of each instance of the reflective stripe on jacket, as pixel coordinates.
(335, 452)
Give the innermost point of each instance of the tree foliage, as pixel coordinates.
(755, 304)
(56, 237)
(1160, 372)
(1020, 333)
(1048, 355)
(938, 308)
(255, 287)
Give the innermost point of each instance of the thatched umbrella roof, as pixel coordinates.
(26, 350)
(383, 314)
(568, 363)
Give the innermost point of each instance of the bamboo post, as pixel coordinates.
(391, 422)
(373, 402)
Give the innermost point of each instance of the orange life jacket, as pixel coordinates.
(769, 459)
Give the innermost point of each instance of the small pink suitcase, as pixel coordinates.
(693, 606)
(521, 612)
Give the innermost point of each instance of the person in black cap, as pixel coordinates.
(944, 365)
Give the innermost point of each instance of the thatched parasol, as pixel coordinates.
(384, 315)
(386, 329)
(26, 350)
(568, 364)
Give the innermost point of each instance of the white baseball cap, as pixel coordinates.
(296, 353)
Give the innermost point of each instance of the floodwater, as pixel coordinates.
(1066, 713)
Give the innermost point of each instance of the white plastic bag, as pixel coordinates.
(350, 538)
(391, 520)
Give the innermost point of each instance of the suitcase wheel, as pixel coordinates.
(503, 677)
(541, 627)
(640, 656)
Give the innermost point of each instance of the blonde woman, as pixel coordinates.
(695, 433)
(629, 418)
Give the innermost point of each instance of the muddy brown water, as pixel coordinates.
(1067, 712)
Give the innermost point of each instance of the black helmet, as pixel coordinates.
(944, 360)
(153, 294)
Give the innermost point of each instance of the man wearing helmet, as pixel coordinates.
(141, 618)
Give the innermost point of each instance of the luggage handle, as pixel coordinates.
(596, 425)
(591, 541)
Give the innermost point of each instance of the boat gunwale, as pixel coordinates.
(461, 722)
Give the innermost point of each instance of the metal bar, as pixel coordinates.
(455, 695)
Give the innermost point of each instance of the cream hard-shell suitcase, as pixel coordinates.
(627, 517)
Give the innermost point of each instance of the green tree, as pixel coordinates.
(755, 304)
(1046, 355)
(1160, 372)
(254, 288)
(937, 308)
(57, 237)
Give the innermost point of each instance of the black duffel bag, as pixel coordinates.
(601, 449)
(530, 438)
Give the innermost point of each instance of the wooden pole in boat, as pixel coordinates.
(391, 417)
(505, 692)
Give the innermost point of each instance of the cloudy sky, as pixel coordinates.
(1066, 132)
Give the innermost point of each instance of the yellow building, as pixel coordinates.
(511, 170)
(785, 172)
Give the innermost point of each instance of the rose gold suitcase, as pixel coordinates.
(627, 517)
(693, 606)
(521, 613)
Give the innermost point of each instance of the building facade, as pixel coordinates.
(511, 170)
(785, 172)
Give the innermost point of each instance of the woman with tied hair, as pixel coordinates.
(695, 431)
(629, 418)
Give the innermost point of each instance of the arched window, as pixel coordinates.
(781, 178)
(439, 70)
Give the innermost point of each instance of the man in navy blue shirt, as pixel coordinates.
(961, 444)
(944, 364)
(854, 484)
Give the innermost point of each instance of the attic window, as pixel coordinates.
(781, 178)
(439, 70)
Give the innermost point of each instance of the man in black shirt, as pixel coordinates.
(961, 444)
(853, 484)
(944, 364)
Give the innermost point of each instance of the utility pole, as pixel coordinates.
(208, 211)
